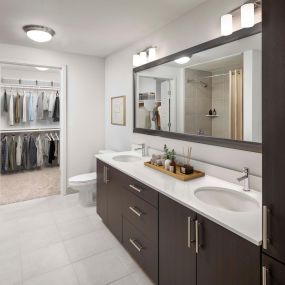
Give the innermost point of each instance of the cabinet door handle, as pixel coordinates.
(264, 275)
(136, 245)
(265, 227)
(197, 235)
(136, 211)
(189, 232)
(135, 188)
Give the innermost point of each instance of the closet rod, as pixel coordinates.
(17, 86)
(30, 130)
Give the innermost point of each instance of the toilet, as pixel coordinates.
(85, 184)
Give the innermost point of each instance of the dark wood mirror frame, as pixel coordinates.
(242, 145)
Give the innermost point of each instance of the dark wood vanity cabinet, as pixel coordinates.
(177, 256)
(273, 272)
(171, 243)
(190, 243)
(109, 198)
(225, 258)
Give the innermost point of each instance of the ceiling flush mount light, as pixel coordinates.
(41, 68)
(38, 33)
(182, 60)
(247, 15)
(226, 25)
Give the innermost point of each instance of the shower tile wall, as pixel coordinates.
(198, 102)
(221, 102)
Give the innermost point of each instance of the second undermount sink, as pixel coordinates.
(126, 158)
(227, 199)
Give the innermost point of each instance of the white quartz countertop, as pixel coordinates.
(245, 224)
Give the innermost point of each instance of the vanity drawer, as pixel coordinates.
(144, 251)
(142, 191)
(141, 214)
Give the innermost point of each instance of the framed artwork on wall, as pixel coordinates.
(118, 110)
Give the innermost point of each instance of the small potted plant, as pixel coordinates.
(172, 166)
(166, 157)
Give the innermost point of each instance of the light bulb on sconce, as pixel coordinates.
(226, 25)
(152, 54)
(136, 60)
(143, 57)
(247, 15)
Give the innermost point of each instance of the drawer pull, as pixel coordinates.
(137, 246)
(136, 211)
(135, 188)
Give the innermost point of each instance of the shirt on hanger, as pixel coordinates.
(31, 107)
(11, 110)
(24, 108)
(17, 109)
(19, 151)
(52, 98)
(40, 159)
(45, 101)
(12, 154)
(40, 109)
(5, 103)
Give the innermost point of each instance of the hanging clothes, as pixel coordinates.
(25, 152)
(32, 152)
(11, 110)
(17, 109)
(5, 103)
(40, 109)
(31, 107)
(52, 99)
(56, 110)
(40, 159)
(51, 156)
(4, 154)
(45, 101)
(24, 108)
(19, 151)
(12, 154)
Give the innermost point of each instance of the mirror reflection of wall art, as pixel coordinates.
(118, 110)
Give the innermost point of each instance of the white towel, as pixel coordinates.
(11, 110)
(24, 120)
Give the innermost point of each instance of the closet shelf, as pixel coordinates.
(29, 130)
(212, 116)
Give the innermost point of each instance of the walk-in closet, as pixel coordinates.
(30, 132)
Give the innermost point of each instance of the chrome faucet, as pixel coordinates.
(245, 179)
(142, 148)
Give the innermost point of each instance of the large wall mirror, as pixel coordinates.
(213, 96)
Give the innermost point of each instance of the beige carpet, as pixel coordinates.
(29, 185)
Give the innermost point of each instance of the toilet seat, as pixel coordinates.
(87, 178)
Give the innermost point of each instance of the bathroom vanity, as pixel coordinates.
(175, 237)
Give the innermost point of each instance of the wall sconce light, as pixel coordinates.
(227, 25)
(152, 53)
(144, 56)
(247, 15)
(136, 60)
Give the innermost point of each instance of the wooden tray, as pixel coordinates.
(178, 174)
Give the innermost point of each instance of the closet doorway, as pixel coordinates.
(33, 132)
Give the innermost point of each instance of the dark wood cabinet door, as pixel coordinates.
(102, 194)
(177, 261)
(115, 195)
(273, 140)
(224, 258)
(273, 272)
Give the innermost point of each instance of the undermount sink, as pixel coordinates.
(126, 158)
(227, 199)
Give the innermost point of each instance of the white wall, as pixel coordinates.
(85, 100)
(199, 25)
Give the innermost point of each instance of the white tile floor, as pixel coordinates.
(56, 241)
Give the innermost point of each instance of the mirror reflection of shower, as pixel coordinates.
(202, 83)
